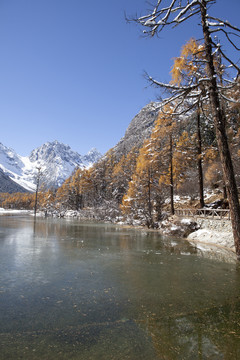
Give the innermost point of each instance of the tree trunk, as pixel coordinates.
(171, 175)
(36, 198)
(219, 123)
(224, 192)
(150, 222)
(199, 152)
(37, 189)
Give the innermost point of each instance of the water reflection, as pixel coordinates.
(73, 290)
(211, 333)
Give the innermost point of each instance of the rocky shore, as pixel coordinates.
(214, 233)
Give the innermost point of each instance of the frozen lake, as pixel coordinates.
(74, 290)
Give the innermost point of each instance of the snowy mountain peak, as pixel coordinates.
(50, 151)
(91, 157)
(56, 160)
(93, 151)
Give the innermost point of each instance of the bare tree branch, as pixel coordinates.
(221, 22)
(229, 99)
(226, 57)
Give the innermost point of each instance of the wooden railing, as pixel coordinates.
(216, 214)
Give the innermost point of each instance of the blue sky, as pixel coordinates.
(72, 70)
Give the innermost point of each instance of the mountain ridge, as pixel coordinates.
(138, 130)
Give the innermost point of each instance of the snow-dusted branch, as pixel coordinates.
(176, 13)
(229, 99)
(220, 22)
(227, 34)
(226, 57)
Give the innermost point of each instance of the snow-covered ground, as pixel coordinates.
(14, 212)
(211, 237)
(214, 245)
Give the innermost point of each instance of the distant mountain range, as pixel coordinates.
(56, 161)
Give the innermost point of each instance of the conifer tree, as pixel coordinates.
(164, 136)
(143, 198)
(47, 200)
(123, 172)
(63, 196)
(76, 189)
(192, 65)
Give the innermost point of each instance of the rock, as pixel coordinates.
(178, 227)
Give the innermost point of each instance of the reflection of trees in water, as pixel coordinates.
(212, 333)
(44, 228)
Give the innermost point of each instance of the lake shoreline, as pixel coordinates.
(204, 238)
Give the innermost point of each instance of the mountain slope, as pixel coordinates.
(139, 129)
(8, 185)
(10, 160)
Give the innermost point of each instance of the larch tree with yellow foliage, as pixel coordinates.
(191, 64)
(122, 173)
(164, 131)
(63, 196)
(76, 189)
(173, 153)
(143, 196)
(47, 201)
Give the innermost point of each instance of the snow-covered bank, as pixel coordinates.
(175, 226)
(210, 241)
(214, 245)
(15, 212)
(210, 234)
(211, 237)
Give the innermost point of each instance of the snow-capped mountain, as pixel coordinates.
(55, 160)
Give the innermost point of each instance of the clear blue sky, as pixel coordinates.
(72, 70)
